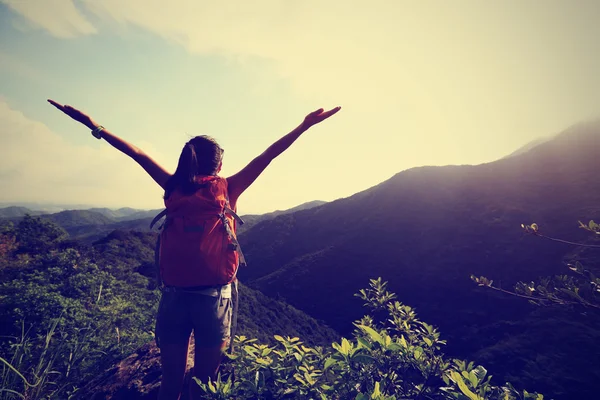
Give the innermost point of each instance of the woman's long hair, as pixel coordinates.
(200, 156)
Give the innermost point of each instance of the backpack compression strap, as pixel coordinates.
(235, 301)
(230, 233)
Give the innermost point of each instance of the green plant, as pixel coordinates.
(33, 370)
(393, 355)
(582, 288)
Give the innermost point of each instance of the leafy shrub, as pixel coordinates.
(580, 289)
(393, 355)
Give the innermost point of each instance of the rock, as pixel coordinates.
(136, 377)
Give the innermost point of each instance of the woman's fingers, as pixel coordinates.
(64, 108)
(327, 114)
(72, 112)
(332, 111)
(57, 105)
(319, 115)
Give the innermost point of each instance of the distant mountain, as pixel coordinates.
(252, 219)
(76, 218)
(17, 212)
(94, 223)
(115, 214)
(426, 230)
(45, 207)
(141, 214)
(119, 214)
(78, 223)
(126, 213)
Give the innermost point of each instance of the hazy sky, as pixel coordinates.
(419, 82)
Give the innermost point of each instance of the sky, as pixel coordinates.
(419, 82)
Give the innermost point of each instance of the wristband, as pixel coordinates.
(97, 132)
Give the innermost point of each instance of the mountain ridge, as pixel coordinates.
(94, 223)
(458, 219)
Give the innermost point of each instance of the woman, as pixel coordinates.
(209, 316)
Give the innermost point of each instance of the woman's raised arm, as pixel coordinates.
(239, 182)
(158, 173)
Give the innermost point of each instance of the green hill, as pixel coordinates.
(103, 298)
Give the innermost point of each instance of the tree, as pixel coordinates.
(35, 234)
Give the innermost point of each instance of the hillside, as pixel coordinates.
(104, 299)
(426, 230)
(259, 315)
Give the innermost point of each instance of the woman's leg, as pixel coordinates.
(173, 358)
(206, 365)
(207, 361)
(212, 329)
(173, 330)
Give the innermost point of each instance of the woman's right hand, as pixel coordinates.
(74, 113)
(317, 116)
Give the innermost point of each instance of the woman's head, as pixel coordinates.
(202, 155)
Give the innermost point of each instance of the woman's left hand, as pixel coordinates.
(74, 113)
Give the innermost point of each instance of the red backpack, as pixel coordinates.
(197, 245)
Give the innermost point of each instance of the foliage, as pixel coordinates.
(396, 356)
(65, 316)
(580, 289)
(41, 360)
(68, 310)
(36, 235)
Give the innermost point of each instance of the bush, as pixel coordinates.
(393, 355)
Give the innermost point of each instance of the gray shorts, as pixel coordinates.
(180, 313)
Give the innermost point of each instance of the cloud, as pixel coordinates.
(59, 17)
(39, 165)
(429, 65)
(409, 59)
(320, 45)
(425, 82)
(15, 65)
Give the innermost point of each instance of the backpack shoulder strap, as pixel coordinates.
(157, 249)
(157, 218)
(237, 218)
